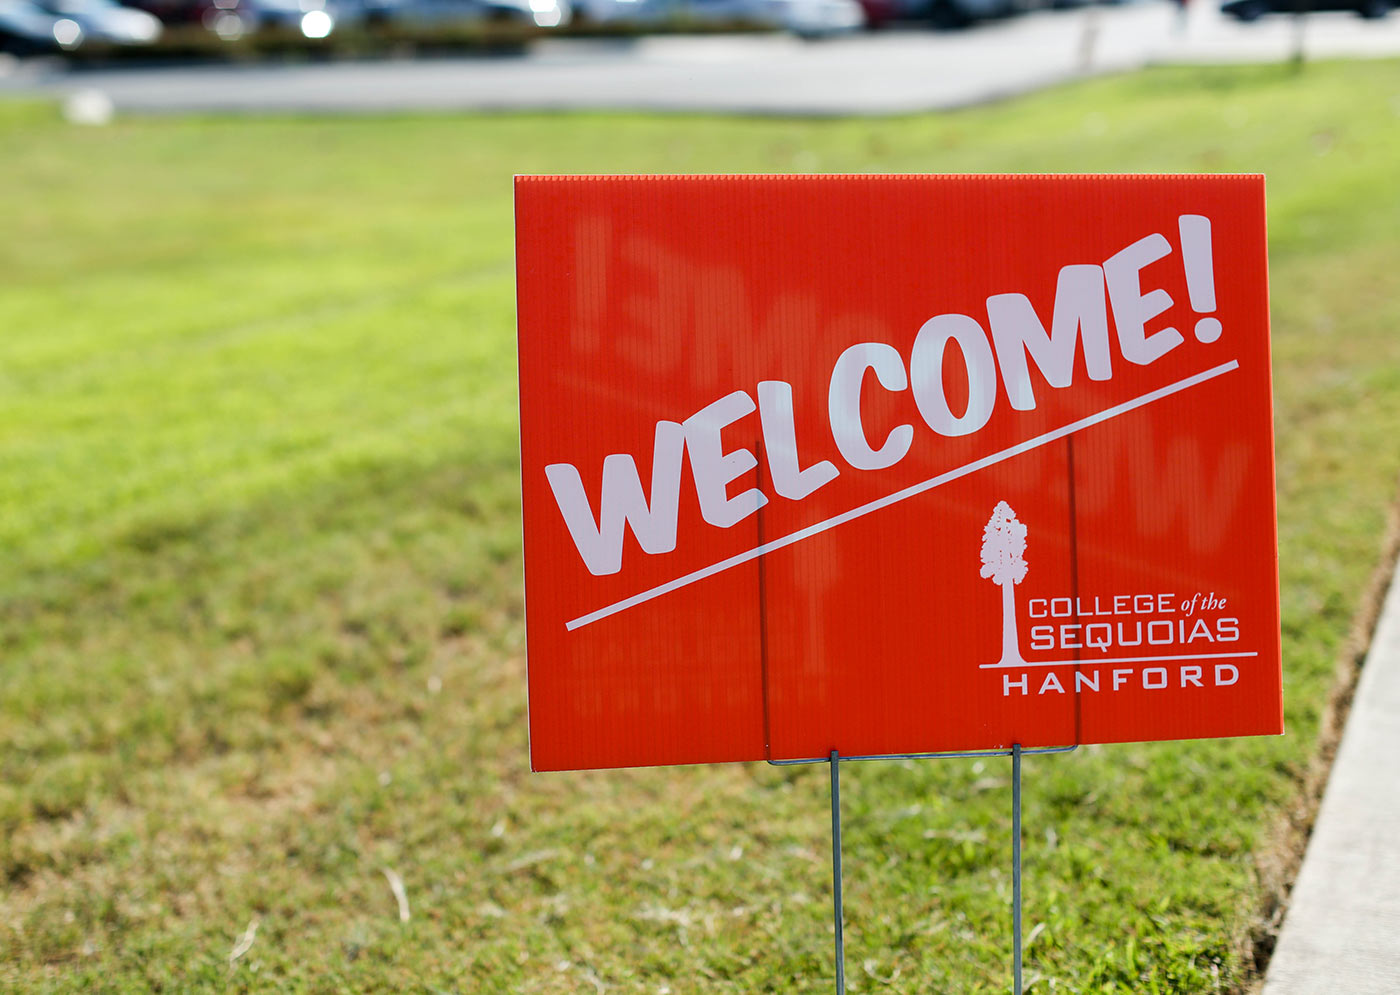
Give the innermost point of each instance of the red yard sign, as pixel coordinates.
(893, 464)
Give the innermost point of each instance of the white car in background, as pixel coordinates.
(817, 18)
(808, 18)
(29, 30)
(106, 21)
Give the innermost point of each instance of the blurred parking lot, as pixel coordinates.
(895, 70)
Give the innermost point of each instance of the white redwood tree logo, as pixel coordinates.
(1003, 561)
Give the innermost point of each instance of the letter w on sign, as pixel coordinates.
(784, 439)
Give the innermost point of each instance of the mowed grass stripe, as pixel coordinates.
(254, 402)
(260, 598)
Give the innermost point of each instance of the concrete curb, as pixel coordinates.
(1342, 931)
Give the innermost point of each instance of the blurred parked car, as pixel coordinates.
(953, 14)
(809, 18)
(1249, 10)
(106, 20)
(817, 18)
(618, 11)
(878, 13)
(28, 30)
(173, 12)
(309, 18)
(444, 13)
(232, 19)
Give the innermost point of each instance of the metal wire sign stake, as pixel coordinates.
(837, 912)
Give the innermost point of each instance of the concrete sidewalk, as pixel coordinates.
(1342, 933)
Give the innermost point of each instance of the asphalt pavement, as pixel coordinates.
(887, 72)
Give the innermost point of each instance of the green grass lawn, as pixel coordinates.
(260, 593)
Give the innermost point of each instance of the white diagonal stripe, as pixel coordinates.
(902, 495)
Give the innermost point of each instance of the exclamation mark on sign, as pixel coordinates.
(1199, 261)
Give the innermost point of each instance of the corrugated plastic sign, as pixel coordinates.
(893, 464)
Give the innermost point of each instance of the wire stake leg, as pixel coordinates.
(1016, 861)
(836, 871)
